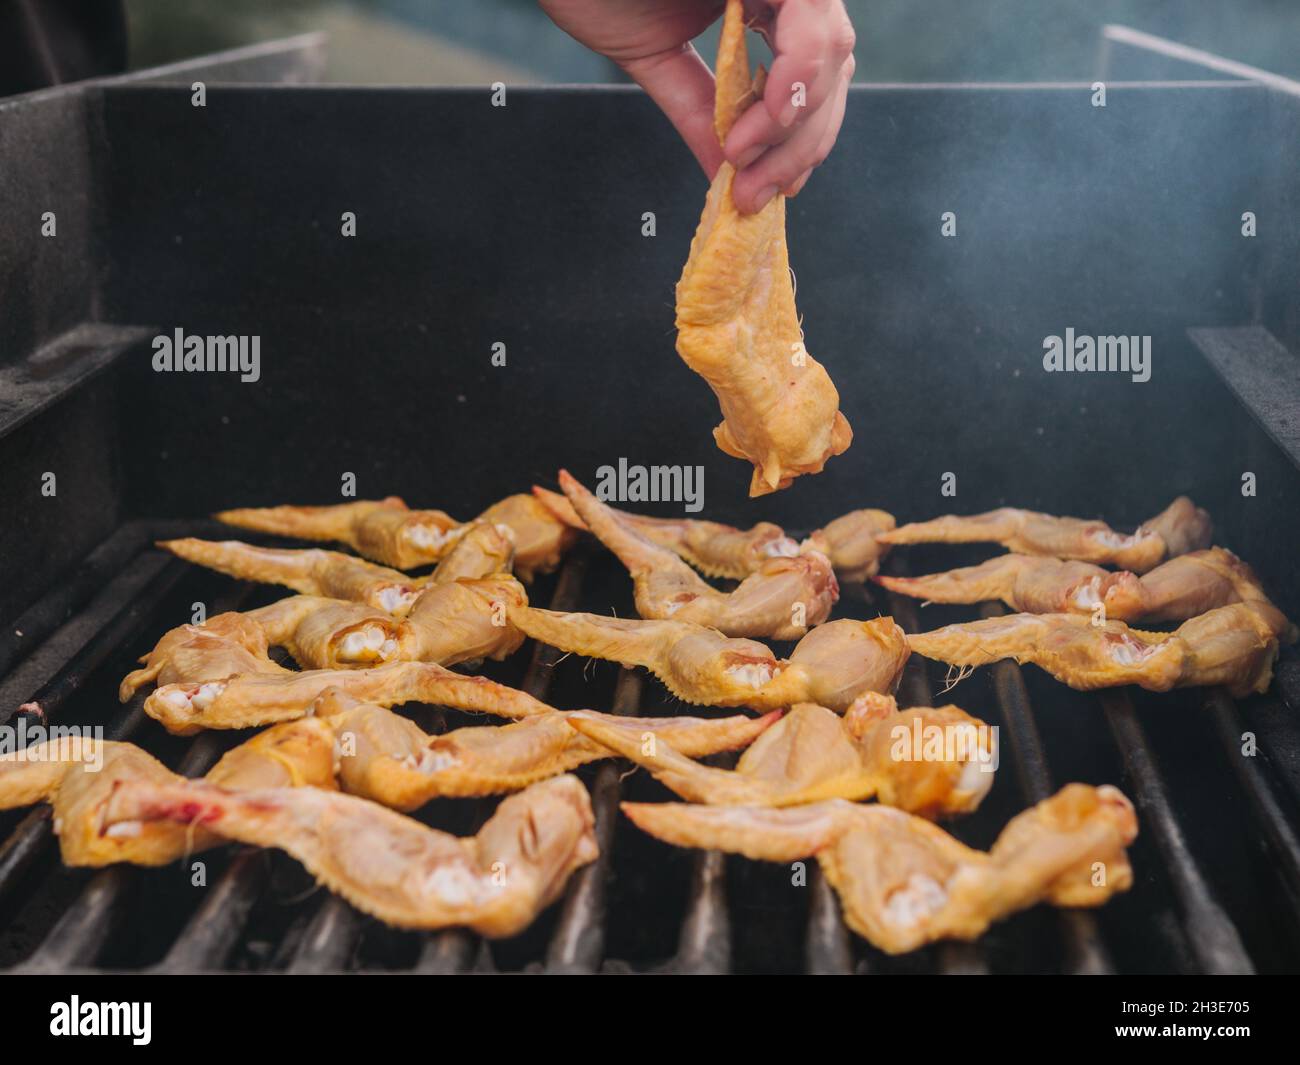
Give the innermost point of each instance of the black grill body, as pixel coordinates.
(523, 225)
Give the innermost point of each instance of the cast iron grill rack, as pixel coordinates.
(643, 906)
(144, 191)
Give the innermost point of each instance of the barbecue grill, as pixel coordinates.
(522, 225)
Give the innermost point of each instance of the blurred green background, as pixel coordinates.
(450, 42)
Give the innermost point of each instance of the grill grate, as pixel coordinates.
(65, 652)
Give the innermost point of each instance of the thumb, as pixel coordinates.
(682, 85)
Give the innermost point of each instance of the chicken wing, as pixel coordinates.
(718, 550)
(78, 779)
(541, 539)
(482, 549)
(389, 532)
(1175, 590)
(782, 600)
(830, 666)
(450, 623)
(714, 549)
(1234, 646)
(225, 645)
(252, 699)
(331, 634)
(386, 530)
(311, 571)
(852, 543)
(463, 621)
(1179, 528)
(371, 751)
(814, 754)
(391, 866)
(1182, 588)
(388, 758)
(736, 320)
(903, 881)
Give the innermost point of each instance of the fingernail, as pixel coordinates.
(748, 156)
(763, 197)
(787, 115)
(792, 190)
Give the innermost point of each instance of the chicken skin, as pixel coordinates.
(385, 530)
(714, 549)
(814, 754)
(115, 803)
(718, 550)
(367, 750)
(736, 320)
(78, 779)
(226, 645)
(1175, 590)
(451, 623)
(852, 543)
(389, 532)
(483, 548)
(463, 621)
(311, 571)
(782, 600)
(388, 758)
(1234, 646)
(903, 881)
(541, 540)
(389, 865)
(1179, 528)
(1182, 588)
(324, 633)
(249, 700)
(831, 666)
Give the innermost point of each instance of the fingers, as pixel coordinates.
(682, 85)
(787, 166)
(811, 43)
(794, 127)
(832, 131)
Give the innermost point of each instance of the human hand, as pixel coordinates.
(776, 144)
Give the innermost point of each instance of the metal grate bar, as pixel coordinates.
(1279, 833)
(23, 846)
(84, 928)
(36, 830)
(915, 684)
(962, 959)
(61, 665)
(214, 929)
(1018, 717)
(454, 949)
(1211, 935)
(704, 944)
(61, 656)
(567, 596)
(329, 940)
(1287, 678)
(69, 943)
(210, 934)
(704, 947)
(1084, 950)
(827, 951)
(955, 959)
(55, 608)
(578, 944)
